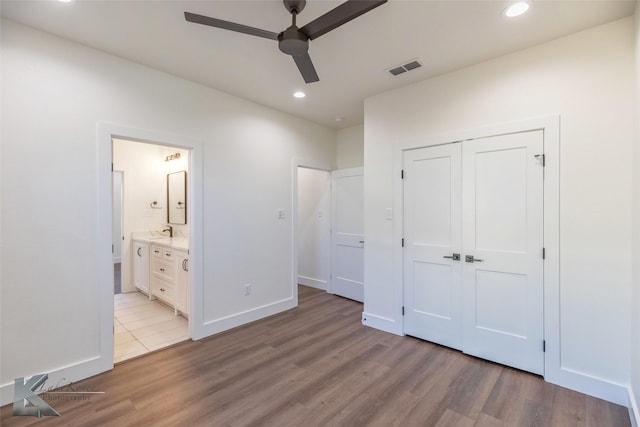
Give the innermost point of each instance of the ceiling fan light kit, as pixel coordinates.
(294, 41)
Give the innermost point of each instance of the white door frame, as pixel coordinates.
(106, 133)
(550, 125)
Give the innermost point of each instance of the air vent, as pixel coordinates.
(411, 65)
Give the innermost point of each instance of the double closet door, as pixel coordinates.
(473, 253)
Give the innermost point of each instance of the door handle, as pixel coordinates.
(470, 258)
(455, 257)
(139, 254)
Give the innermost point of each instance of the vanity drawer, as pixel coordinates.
(160, 252)
(165, 270)
(156, 251)
(163, 289)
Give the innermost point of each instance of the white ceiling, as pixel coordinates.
(352, 60)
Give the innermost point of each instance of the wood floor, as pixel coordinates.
(318, 366)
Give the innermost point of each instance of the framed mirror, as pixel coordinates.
(177, 197)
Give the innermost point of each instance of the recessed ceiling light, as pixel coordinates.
(299, 94)
(339, 119)
(65, 1)
(516, 9)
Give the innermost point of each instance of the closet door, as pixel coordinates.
(432, 234)
(503, 241)
(481, 200)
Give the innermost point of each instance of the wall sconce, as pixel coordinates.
(170, 157)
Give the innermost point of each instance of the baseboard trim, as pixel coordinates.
(383, 323)
(313, 283)
(215, 326)
(634, 411)
(588, 384)
(63, 375)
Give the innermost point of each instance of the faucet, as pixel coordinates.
(169, 229)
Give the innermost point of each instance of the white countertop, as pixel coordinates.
(181, 243)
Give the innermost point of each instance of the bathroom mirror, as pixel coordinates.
(177, 197)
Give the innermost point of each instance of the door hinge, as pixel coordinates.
(112, 249)
(403, 242)
(544, 346)
(111, 166)
(403, 310)
(544, 253)
(543, 159)
(402, 174)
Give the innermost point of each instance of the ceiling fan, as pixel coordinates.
(294, 41)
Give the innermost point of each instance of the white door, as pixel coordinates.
(433, 235)
(503, 231)
(347, 237)
(500, 294)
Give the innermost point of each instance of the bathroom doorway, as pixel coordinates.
(151, 309)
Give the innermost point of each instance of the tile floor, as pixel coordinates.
(142, 326)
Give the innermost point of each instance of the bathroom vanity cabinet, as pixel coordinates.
(141, 266)
(162, 271)
(169, 276)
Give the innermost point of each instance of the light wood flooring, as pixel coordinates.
(316, 365)
(142, 326)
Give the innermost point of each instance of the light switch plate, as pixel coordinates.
(389, 213)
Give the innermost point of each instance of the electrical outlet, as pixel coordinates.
(281, 214)
(247, 289)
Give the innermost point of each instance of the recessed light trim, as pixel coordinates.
(66, 1)
(299, 94)
(516, 9)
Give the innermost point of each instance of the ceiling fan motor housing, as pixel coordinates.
(294, 6)
(292, 41)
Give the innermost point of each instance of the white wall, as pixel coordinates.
(54, 94)
(635, 301)
(314, 227)
(350, 146)
(586, 78)
(145, 181)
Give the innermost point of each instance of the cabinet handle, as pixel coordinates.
(185, 266)
(156, 252)
(162, 269)
(162, 289)
(139, 254)
(167, 254)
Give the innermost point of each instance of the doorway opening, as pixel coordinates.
(314, 228)
(150, 246)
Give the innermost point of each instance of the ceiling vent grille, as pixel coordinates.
(400, 69)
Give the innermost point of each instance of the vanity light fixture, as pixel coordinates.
(172, 157)
(299, 94)
(516, 9)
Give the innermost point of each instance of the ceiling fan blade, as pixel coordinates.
(306, 68)
(342, 14)
(226, 25)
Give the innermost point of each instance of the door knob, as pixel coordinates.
(470, 258)
(455, 257)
